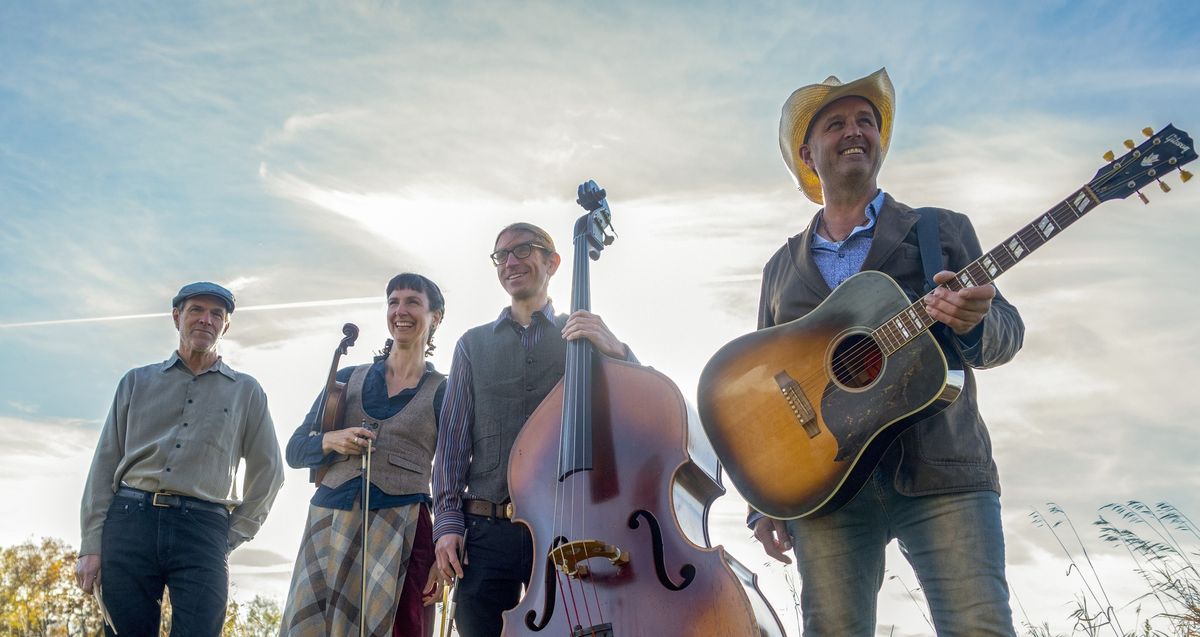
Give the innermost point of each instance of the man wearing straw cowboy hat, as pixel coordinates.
(936, 490)
(160, 507)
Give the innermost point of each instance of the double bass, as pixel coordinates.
(617, 506)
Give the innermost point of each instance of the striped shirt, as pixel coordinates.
(453, 457)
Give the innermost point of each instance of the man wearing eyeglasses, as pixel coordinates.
(501, 372)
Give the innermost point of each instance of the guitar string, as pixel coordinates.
(860, 355)
(1063, 215)
(563, 509)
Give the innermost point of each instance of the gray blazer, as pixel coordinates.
(951, 451)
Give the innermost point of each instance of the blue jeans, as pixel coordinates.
(144, 548)
(954, 543)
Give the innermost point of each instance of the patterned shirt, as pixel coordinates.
(840, 260)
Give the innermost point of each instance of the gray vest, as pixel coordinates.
(508, 383)
(402, 461)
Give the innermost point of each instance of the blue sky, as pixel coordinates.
(304, 152)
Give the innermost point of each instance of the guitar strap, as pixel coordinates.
(929, 240)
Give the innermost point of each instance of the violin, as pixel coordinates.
(616, 505)
(331, 411)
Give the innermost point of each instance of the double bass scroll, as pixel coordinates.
(331, 412)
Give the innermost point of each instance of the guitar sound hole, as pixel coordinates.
(857, 361)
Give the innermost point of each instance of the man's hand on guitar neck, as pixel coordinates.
(774, 536)
(961, 310)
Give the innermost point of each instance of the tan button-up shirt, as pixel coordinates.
(169, 430)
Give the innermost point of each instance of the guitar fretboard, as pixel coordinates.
(911, 322)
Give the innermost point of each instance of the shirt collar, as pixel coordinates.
(547, 313)
(872, 214)
(218, 366)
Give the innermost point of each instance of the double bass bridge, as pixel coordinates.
(599, 630)
(801, 408)
(571, 557)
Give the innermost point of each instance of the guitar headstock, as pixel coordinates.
(596, 226)
(1164, 151)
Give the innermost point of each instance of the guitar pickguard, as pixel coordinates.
(909, 380)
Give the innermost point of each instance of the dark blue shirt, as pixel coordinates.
(304, 450)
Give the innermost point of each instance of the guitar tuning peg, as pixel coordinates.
(1184, 175)
(1162, 184)
(1129, 144)
(1109, 156)
(1142, 197)
(1148, 132)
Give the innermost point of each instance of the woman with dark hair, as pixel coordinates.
(398, 398)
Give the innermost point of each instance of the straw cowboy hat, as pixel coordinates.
(800, 109)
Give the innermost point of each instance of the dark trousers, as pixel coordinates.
(499, 563)
(145, 548)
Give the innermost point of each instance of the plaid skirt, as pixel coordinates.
(327, 580)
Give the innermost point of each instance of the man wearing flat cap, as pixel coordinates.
(936, 489)
(161, 507)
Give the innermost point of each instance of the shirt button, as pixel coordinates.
(178, 446)
(529, 388)
(189, 401)
(168, 469)
(529, 361)
(185, 424)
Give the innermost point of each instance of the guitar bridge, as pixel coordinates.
(801, 408)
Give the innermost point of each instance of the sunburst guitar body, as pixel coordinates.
(800, 413)
(808, 407)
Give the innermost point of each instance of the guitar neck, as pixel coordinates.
(910, 323)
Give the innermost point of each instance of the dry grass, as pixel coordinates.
(1162, 544)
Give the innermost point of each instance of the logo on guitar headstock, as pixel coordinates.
(1174, 140)
(1150, 159)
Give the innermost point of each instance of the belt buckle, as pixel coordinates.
(508, 511)
(154, 500)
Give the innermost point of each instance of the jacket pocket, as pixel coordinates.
(405, 462)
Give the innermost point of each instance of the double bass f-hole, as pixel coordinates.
(331, 413)
(687, 572)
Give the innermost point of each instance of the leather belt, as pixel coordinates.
(488, 509)
(172, 500)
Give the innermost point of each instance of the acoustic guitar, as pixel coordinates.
(801, 413)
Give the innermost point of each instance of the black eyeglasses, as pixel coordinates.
(521, 251)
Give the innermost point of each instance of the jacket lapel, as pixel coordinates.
(806, 269)
(894, 222)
